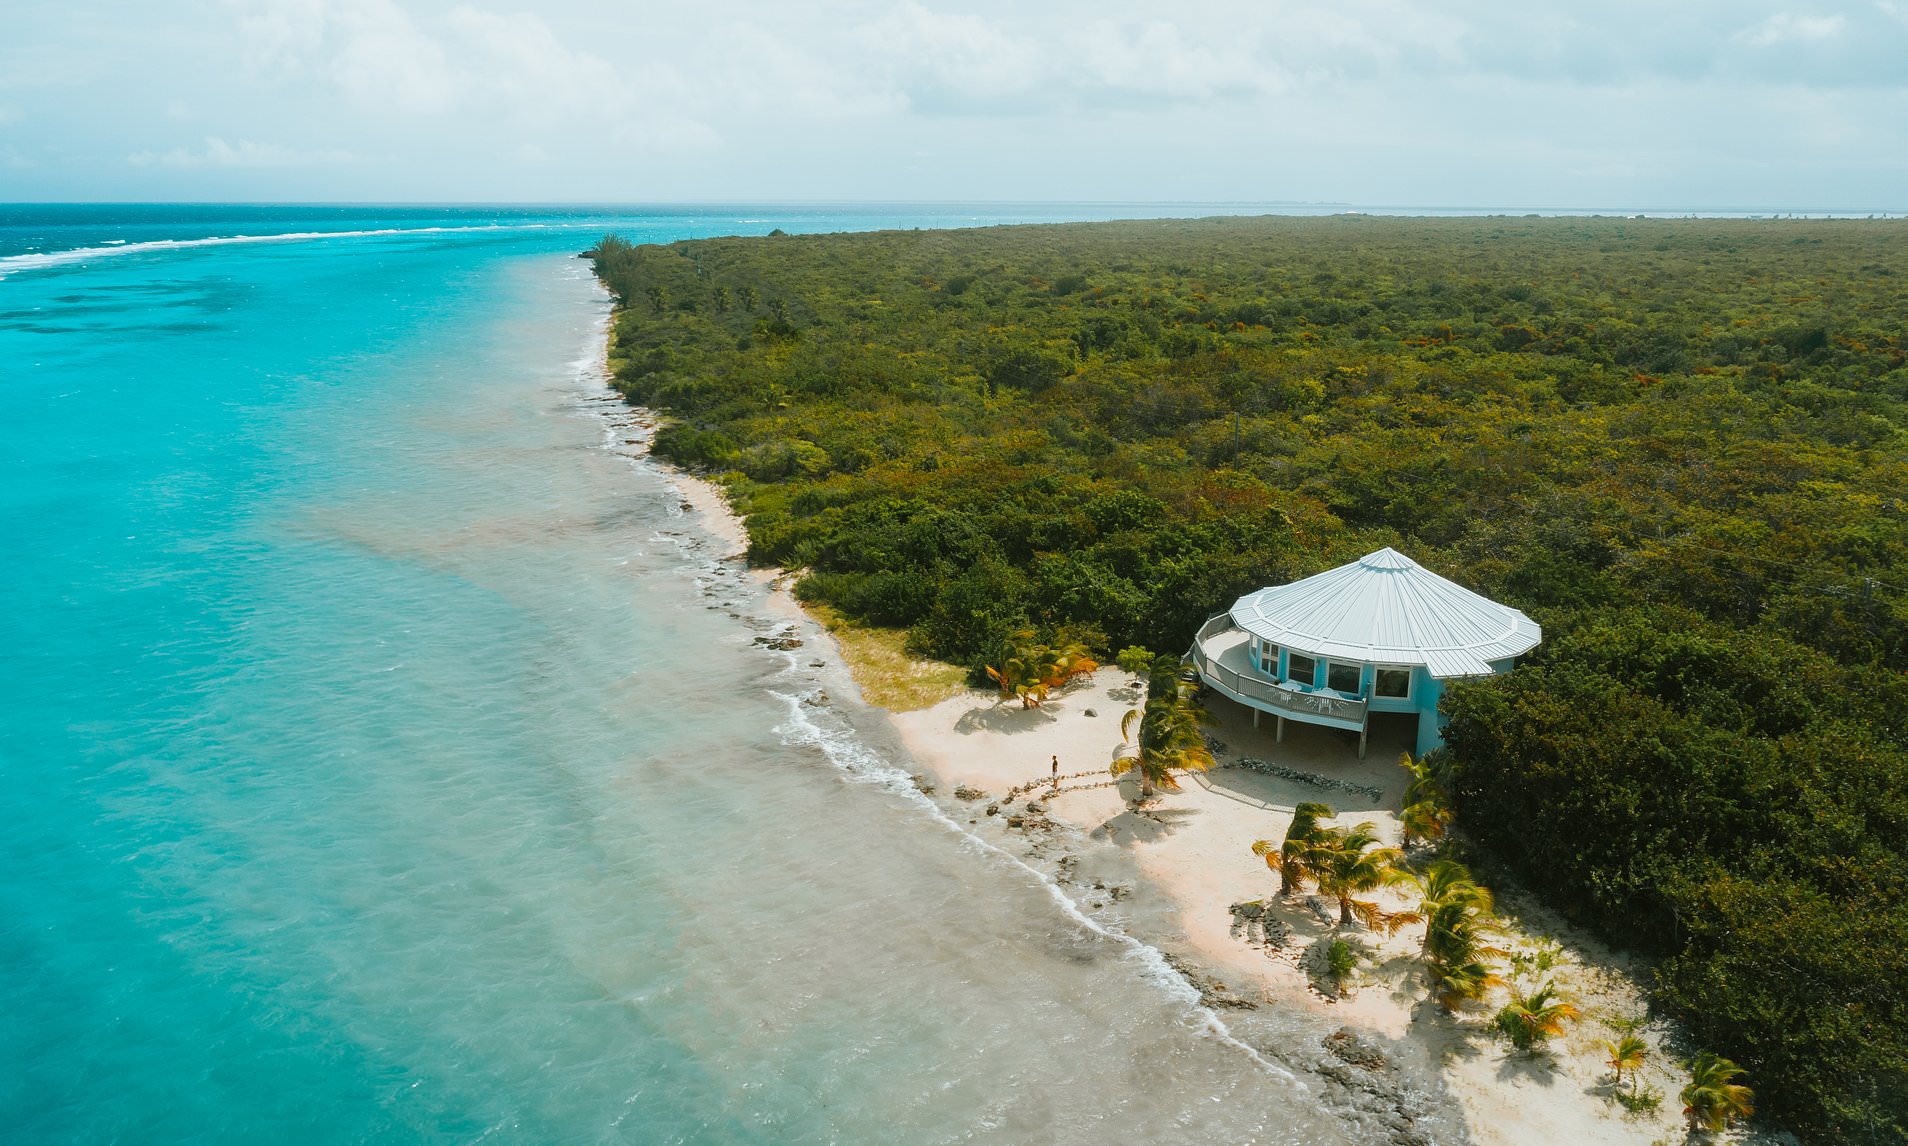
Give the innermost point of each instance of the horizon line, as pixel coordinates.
(712, 203)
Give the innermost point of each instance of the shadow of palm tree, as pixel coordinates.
(1402, 970)
(1536, 1064)
(1008, 718)
(1146, 826)
(1430, 1013)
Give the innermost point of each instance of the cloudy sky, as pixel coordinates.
(1612, 103)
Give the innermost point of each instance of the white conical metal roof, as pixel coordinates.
(1387, 608)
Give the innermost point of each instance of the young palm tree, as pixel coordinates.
(1169, 736)
(1030, 670)
(1448, 896)
(1530, 1019)
(1064, 663)
(1424, 783)
(1427, 812)
(1627, 1053)
(1453, 984)
(1288, 856)
(1712, 1100)
(1448, 881)
(1017, 674)
(1156, 767)
(1349, 862)
(1457, 933)
(1424, 820)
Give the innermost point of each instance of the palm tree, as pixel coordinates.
(1448, 897)
(1169, 737)
(1016, 674)
(1058, 666)
(1156, 768)
(1288, 856)
(1627, 1053)
(1455, 983)
(1530, 1019)
(1427, 812)
(1711, 1100)
(1349, 862)
(1424, 783)
(1456, 911)
(1448, 881)
(1029, 670)
(1424, 820)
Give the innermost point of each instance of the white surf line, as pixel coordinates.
(894, 779)
(13, 264)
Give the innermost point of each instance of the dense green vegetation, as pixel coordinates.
(1678, 444)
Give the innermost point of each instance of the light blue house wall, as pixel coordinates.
(1422, 702)
(1425, 692)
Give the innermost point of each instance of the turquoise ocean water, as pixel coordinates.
(385, 756)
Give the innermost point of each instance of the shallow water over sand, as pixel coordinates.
(386, 755)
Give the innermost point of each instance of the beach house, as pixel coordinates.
(1379, 635)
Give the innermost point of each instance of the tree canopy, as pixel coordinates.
(1678, 444)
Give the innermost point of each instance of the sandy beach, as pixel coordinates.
(1192, 848)
(1195, 847)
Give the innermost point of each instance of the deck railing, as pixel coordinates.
(1270, 695)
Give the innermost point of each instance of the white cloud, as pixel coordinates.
(947, 62)
(384, 61)
(519, 58)
(279, 34)
(1789, 28)
(245, 153)
(1620, 101)
(754, 72)
(1154, 59)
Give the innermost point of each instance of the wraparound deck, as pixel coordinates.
(1220, 653)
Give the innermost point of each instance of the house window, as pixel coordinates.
(1300, 668)
(1393, 682)
(1341, 677)
(1269, 660)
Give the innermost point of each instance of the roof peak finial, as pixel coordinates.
(1387, 558)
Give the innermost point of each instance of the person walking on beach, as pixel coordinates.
(1056, 774)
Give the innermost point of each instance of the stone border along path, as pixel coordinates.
(1329, 783)
(1020, 790)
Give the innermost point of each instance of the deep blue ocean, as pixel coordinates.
(384, 755)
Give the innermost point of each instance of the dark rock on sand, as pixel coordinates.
(1212, 992)
(1346, 1045)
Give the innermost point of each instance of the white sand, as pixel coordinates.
(1195, 845)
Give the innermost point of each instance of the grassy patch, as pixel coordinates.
(884, 672)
